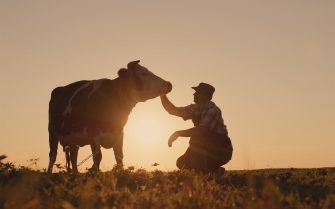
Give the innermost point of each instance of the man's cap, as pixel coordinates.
(204, 88)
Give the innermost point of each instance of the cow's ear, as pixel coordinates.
(132, 65)
(122, 72)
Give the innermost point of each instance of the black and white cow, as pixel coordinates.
(95, 112)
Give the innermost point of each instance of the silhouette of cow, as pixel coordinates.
(94, 112)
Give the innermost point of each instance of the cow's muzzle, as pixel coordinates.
(169, 87)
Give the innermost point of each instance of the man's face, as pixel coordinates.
(198, 97)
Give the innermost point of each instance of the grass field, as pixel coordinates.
(23, 187)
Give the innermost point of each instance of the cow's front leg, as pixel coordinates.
(97, 156)
(118, 151)
(73, 157)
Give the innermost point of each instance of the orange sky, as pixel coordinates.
(272, 63)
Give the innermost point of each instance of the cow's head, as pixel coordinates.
(146, 84)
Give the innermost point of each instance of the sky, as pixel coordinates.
(272, 64)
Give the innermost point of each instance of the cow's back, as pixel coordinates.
(59, 101)
(91, 105)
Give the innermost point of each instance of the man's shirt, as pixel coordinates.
(210, 116)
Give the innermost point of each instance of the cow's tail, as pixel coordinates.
(67, 157)
(53, 136)
(53, 144)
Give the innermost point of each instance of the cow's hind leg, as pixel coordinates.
(74, 157)
(97, 156)
(53, 144)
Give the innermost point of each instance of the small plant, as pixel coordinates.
(33, 162)
(2, 157)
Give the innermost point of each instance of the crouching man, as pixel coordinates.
(209, 146)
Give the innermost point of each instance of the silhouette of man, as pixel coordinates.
(209, 146)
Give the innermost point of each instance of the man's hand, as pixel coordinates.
(173, 138)
(163, 96)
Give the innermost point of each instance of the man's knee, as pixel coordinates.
(180, 162)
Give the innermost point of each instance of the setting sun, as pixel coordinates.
(146, 135)
(148, 129)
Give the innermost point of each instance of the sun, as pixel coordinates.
(146, 135)
(147, 128)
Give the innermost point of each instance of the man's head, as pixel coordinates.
(203, 92)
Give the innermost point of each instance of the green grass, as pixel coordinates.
(22, 187)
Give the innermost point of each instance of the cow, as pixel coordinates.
(94, 112)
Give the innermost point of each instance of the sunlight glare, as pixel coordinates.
(147, 129)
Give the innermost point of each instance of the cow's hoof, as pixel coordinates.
(118, 166)
(74, 171)
(93, 170)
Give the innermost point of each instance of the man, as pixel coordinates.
(209, 146)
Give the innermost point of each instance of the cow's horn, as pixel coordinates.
(132, 64)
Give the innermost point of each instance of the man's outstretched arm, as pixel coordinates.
(195, 131)
(169, 107)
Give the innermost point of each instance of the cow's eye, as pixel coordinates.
(144, 74)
